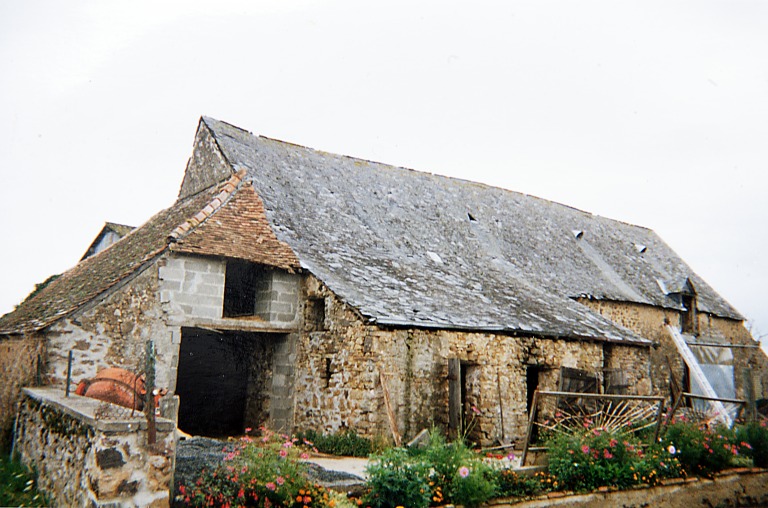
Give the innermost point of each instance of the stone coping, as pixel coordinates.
(102, 416)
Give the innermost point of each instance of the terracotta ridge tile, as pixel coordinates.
(227, 189)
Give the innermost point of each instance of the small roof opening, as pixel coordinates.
(577, 233)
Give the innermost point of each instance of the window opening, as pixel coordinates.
(615, 382)
(578, 381)
(328, 372)
(243, 283)
(688, 322)
(315, 313)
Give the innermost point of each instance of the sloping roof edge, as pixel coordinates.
(58, 298)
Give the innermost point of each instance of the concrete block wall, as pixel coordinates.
(283, 374)
(192, 286)
(277, 297)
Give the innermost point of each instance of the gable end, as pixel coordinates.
(207, 167)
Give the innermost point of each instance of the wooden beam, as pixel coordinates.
(454, 398)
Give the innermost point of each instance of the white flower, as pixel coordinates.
(671, 449)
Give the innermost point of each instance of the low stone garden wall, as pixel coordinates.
(92, 453)
(735, 487)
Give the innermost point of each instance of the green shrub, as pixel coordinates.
(596, 458)
(473, 485)
(346, 443)
(438, 473)
(260, 472)
(700, 450)
(513, 484)
(395, 479)
(447, 462)
(752, 440)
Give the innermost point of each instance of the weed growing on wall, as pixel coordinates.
(18, 486)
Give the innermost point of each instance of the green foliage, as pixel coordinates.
(511, 483)
(396, 479)
(473, 485)
(438, 473)
(346, 443)
(752, 440)
(700, 450)
(594, 458)
(261, 472)
(446, 461)
(18, 486)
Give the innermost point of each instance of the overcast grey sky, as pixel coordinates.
(650, 112)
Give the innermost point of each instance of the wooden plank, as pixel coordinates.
(529, 429)
(454, 397)
(390, 412)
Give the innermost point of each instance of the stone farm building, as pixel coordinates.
(292, 287)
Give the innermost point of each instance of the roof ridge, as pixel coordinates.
(228, 189)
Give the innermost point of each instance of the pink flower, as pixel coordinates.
(248, 429)
(283, 453)
(271, 486)
(475, 410)
(607, 454)
(280, 480)
(304, 455)
(613, 442)
(584, 449)
(463, 471)
(287, 444)
(511, 456)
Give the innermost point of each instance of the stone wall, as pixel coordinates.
(730, 488)
(341, 359)
(650, 322)
(91, 453)
(113, 332)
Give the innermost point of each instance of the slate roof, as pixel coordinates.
(412, 248)
(404, 248)
(174, 226)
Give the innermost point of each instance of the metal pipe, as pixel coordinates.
(69, 373)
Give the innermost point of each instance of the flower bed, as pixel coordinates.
(265, 471)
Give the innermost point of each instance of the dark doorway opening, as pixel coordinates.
(531, 384)
(224, 381)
